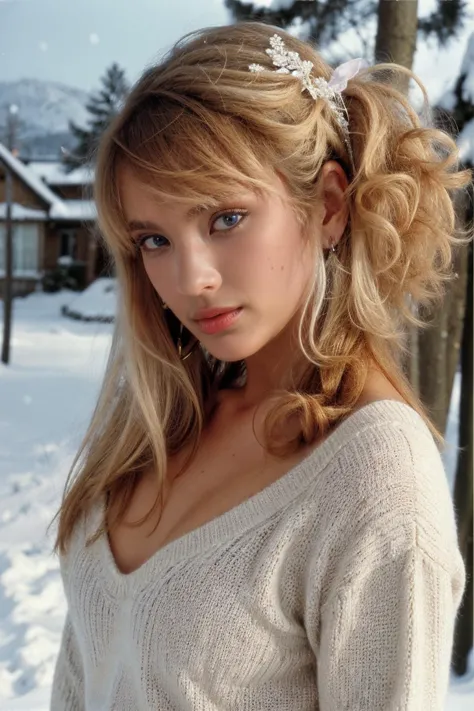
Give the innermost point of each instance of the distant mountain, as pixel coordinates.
(44, 108)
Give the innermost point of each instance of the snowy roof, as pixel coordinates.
(74, 210)
(30, 179)
(20, 213)
(59, 209)
(53, 173)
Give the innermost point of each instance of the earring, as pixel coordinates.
(180, 345)
(332, 246)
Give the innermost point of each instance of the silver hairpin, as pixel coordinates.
(291, 63)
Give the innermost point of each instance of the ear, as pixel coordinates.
(335, 211)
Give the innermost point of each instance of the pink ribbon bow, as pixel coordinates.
(346, 71)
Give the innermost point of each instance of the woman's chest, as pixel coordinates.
(226, 472)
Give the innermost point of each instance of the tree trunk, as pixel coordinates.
(440, 342)
(397, 25)
(463, 487)
(433, 353)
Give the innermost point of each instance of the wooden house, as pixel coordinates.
(53, 216)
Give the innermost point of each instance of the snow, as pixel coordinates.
(96, 303)
(28, 177)
(270, 4)
(74, 210)
(465, 142)
(59, 209)
(467, 67)
(24, 274)
(48, 393)
(20, 213)
(54, 173)
(465, 139)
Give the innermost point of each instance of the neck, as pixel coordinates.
(269, 370)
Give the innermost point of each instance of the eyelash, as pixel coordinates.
(140, 242)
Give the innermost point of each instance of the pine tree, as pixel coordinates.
(323, 22)
(102, 107)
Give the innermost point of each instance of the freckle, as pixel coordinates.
(282, 268)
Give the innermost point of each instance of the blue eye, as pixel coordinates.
(230, 220)
(150, 243)
(155, 243)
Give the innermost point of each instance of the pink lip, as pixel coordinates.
(210, 313)
(219, 322)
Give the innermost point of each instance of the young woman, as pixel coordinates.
(259, 517)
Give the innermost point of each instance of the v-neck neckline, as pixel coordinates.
(257, 508)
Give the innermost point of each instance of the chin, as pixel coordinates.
(231, 354)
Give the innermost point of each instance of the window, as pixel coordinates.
(68, 244)
(25, 247)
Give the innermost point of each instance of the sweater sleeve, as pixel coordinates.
(386, 638)
(68, 684)
(383, 631)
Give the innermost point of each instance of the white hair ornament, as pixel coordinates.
(319, 88)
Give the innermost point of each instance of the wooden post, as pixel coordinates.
(8, 279)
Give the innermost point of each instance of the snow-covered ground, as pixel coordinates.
(47, 395)
(96, 303)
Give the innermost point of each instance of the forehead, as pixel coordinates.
(141, 201)
(136, 196)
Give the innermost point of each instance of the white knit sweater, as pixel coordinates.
(335, 588)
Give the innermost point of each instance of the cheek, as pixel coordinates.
(160, 279)
(289, 262)
(272, 265)
(291, 272)
(155, 273)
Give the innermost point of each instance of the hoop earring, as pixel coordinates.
(180, 345)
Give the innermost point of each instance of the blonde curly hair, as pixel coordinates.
(199, 124)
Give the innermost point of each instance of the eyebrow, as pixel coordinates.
(134, 225)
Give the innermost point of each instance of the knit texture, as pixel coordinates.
(334, 588)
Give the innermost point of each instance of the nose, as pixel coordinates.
(196, 270)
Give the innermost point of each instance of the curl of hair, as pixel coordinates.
(195, 128)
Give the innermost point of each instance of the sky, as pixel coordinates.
(74, 41)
